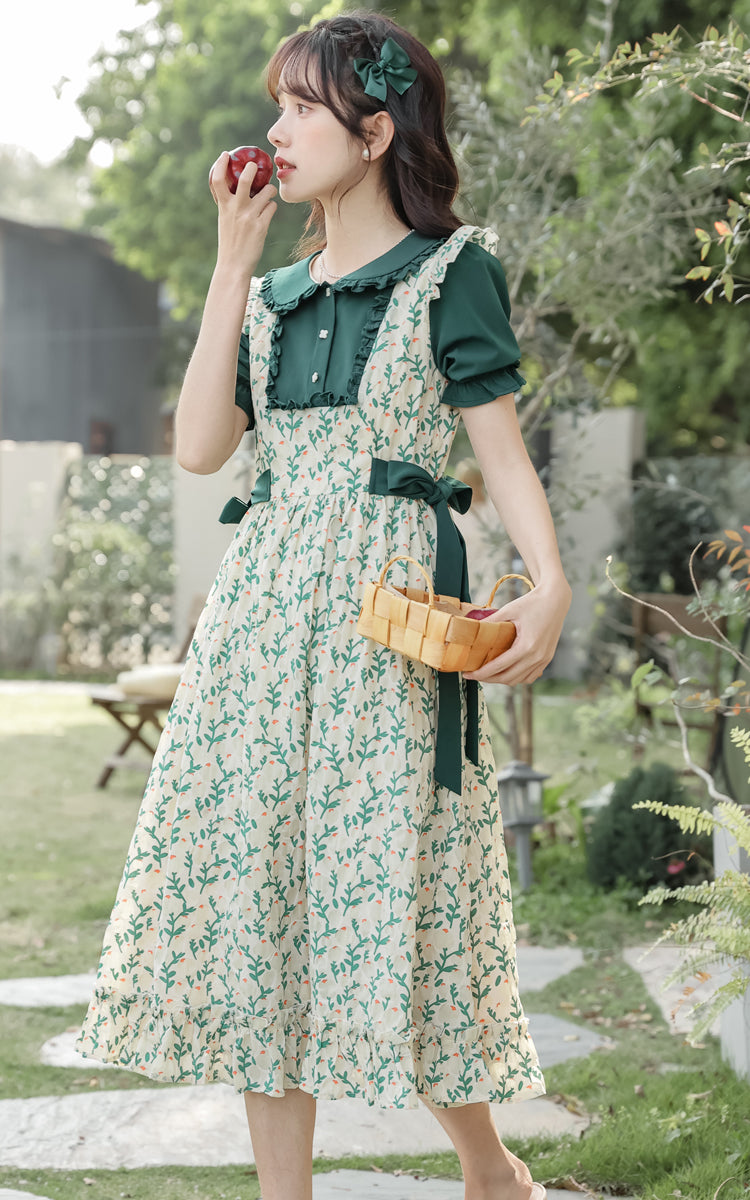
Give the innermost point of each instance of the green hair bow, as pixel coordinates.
(393, 66)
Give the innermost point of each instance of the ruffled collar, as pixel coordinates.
(283, 288)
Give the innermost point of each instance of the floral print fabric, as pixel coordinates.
(301, 906)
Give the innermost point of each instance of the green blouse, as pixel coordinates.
(324, 332)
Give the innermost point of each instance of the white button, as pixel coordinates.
(323, 333)
(315, 377)
(328, 291)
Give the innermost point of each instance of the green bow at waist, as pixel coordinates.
(398, 477)
(235, 509)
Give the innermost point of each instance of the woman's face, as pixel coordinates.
(316, 156)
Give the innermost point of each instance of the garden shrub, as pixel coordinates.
(642, 847)
(113, 581)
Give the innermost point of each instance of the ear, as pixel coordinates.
(379, 130)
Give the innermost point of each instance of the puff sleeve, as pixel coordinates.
(472, 341)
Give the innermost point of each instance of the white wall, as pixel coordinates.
(735, 1020)
(199, 539)
(593, 457)
(32, 475)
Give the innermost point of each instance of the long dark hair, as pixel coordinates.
(418, 166)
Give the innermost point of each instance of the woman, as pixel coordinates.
(316, 901)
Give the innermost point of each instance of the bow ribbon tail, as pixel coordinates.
(448, 735)
(452, 565)
(235, 509)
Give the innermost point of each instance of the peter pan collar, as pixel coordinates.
(283, 288)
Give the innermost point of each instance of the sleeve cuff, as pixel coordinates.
(466, 393)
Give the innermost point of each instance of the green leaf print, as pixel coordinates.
(319, 842)
(167, 974)
(158, 848)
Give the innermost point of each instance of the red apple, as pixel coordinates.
(245, 154)
(478, 614)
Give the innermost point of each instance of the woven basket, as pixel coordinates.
(433, 629)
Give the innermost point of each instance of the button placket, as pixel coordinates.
(322, 350)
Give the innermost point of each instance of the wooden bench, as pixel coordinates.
(134, 714)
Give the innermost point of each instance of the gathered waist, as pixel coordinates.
(402, 477)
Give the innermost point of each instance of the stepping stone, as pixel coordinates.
(557, 1040)
(656, 966)
(540, 965)
(11, 1194)
(206, 1126)
(370, 1185)
(47, 991)
(60, 1051)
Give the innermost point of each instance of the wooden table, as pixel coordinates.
(133, 714)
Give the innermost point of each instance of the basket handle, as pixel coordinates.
(523, 578)
(408, 558)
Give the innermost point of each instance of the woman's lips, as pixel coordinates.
(282, 167)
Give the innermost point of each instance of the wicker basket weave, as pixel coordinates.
(433, 629)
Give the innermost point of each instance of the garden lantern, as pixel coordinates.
(520, 790)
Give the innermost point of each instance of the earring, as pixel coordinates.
(366, 152)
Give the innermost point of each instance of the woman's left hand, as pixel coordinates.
(538, 617)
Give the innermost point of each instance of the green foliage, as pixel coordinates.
(691, 364)
(563, 907)
(667, 521)
(718, 937)
(114, 575)
(573, 204)
(628, 844)
(715, 71)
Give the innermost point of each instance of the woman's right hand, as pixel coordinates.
(243, 219)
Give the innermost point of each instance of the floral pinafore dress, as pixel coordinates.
(302, 905)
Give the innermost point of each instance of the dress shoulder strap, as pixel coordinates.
(434, 269)
(253, 296)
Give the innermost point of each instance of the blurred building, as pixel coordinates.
(79, 341)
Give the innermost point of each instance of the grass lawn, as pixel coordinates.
(669, 1120)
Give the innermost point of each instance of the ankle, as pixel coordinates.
(507, 1181)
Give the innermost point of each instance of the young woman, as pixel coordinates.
(316, 902)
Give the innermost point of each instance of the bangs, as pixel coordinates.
(298, 70)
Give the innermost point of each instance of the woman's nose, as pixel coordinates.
(274, 134)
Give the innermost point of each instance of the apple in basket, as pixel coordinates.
(478, 614)
(237, 161)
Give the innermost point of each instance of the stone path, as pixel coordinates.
(657, 965)
(191, 1126)
(365, 1186)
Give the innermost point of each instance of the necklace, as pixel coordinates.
(324, 272)
(324, 269)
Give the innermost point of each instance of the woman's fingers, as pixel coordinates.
(217, 177)
(525, 671)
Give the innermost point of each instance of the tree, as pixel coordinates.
(168, 99)
(715, 72)
(699, 393)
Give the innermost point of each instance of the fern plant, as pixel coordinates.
(718, 935)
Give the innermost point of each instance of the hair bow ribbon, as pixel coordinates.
(393, 66)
